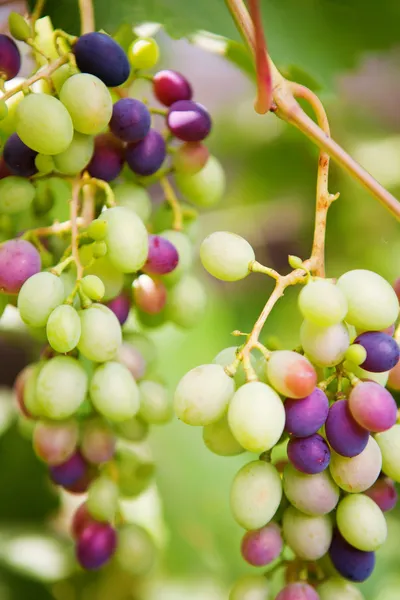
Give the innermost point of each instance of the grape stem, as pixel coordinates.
(73, 212)
(55, 229)
(39, 75)
(87, 16)
(264, 79)
(37, 12)
(171, 198)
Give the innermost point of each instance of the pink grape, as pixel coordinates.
(98, 442)
(396, 287)
(170, 86)
(96, 545)
(394, 378)
(163, 257)
(298, 591)
(150, 295)
(19, 387)
(291, 374)
(80, 520)
(384, 493)
(372, 406)
(133, 360)
(262, 546)
(19, 260)
(55, 442)
(191, 157)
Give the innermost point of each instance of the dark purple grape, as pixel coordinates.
(306, 415)
(309, 455)
(18, 157)
(384, 493)
(96, 545)
(120, 306)
(108, 158)
(147, 156)
(262, 546)
(69, 472)
(81, 486)
(4, 170)
(10, 58)
(170, 87)
(131, 120)
(382, 351)
(162, 258)
(353, 564)
(343, 432)
(19, 260)
(98, 54)
(189, 121)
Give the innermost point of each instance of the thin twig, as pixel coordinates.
(264, 79)
(173, 202)
(55, 229)
(87, 213)
(39, 75)
(73, 210)
(37, 12)
(87, 16)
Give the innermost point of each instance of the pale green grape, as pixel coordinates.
(45, 164)
(206, 187)
(219, 438)
(102, 500)
(30, 397)
(63, 328)
(101, 333)
(322, 303)
(134, 474)
(202, 395)
(88, 101)
(356, 354)
(226, 256)
(372, 302)
(255, 494)
(389, 443)
(308, 536)
(311, 494)
(251, 587)
(135, 197)
(77, 156)
(359, 473)
(60, 76)
(126, 238)
(336, 588)
(324, 346)
(186, 302)
(93, 287)
(155, 405)
(114, 392)
(136, 552)
(226, 357)
(43, 124)
(16, 195)
(381, 378)
(112, 278)
(7, 125)
(3, 110)
(361, 522)
(99, 249)
(256, 416)
(38, 297)
(185, 252)
(143, 53)
(61, 387)
(134, 430)
(97, 230)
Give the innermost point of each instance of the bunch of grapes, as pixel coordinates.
(322, 422)
(89, 287)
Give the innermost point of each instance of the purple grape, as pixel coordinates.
(120, 306)
(298, 591)
(353, 564)
(382, 351)
(170, 87)
(108, 158)
(384, 493)
(4, 170)
(306, 415)
(80, 520)
(262, 546)
(343, 433)
(69, 472)
(19, 260)
(189, 121)
(98, 54)
(18, 157)
(96, 545)
(131, 120)
(163, 257)
(309, 455)
(81, 486)
(10, 58)
(147, 156)
(372, 406)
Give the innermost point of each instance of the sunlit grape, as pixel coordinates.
(361, 522)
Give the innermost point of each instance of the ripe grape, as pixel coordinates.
(112, 278)
(97, 441)
(93, 287)
(143, 53)
(155, 405)
(389, 443)
(219, 438)
(136, 552)
(147, 156)
(70, 471)
(18, 157)
(170, 87)
(77, 156)
(80, 521)
(190, 158)
(108, 158)
(114, 392)
(325, 346)
(131, 120)
(96, 545)
(298, 591)
(226, 256)
(149, 295)
(291, 374)
(188, 121)
(311, 494)
(205, 188)
(102, 500)
(384, 493)
(101, 333)
(126, 238)
(382, 351)
(135, 197)
(305, 416)
(16, 195)
(10, 61)
(351, 563)
(359, 473)
(162, 258)
(120, 306)
(61, 387)
(134, 473)
(63, 328)
(186, 302)
(88, 102)
(133, 360)
(343, 433)
(54, 443)
(250, 587)
(322, 303)
(372, 406)
(361, 522)
(310, 454)
(81, 485)
(336, 587)
(19, 260)
(98, 54)
(185, 253)
(308, 536)
(38, 297)
(262, 546)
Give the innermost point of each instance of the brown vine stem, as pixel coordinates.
(39, 75)
(87, 214)
(173, 202)
(264, 79)
(87, 16)
(55, 229)
(73, 212)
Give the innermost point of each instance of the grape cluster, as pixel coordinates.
(93, 298)
(322, 422)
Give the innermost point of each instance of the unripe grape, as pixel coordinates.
(63, 328)
(384, 493)
(114, 392)
(133, 430)
(226, 256)
(251, 587)
(16, 195)
(389, 443)
(54, 443)
(205, 188)
(38, 297)
(143, 53)
(336, 587)
(291, 374)
(361, 522)
(186, 302)
(323, 303)
(18, 27)
(219, 438)
(93, 287)
(359, 473)
(135, 197)
(97, 230)
(97, 441)
(134, 473)
(149, 295)
(136, 552)
(308, 536)
(356, 354)
(325, 346)
(102, 500)
(190, 158)
(155, 405)
(88, 103)
(311, 494)
(112, 278)
(101, 333)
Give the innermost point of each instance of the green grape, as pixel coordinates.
(226, 256)
(324, 346)
(308, 537)
(60, 76)
(311, 494)
(381, 378)
(38, 297)
(135, 197)
(43, 124)
(61, 387)
(336, 588)
(356, 354)
(77, 156)
(359, 473)
(361, 522)
(63, 328)
(186, 302)
(18, 27)
(144, 53)
(7, 125)
(219, 438)
(16, 195)
(97, 230)
(30, 397)
(134, 474)
(155, 405)
(251, 587)
(3, 110)
(144, 345)
(114, 392)
(185, 252)
(101, 333)
(256, 416)
(206, 187)
(88, 101)
(102, 500)
(322, 303)
(203, 394)
(134, 430)
(389, 443)
(112, 278)
(44, 163)
(93, 287)
(126, 238)
(136, 552)
(256, 494)
(99, 249)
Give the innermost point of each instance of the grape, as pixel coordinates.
(93, 287)
(19, 158)
(112, 278)
(68, 472)
(16, 195)
(162, 258)
(389, 443)
(4, 170)
(394, 378)
(99, 249)
(357, 474)
(149, 295)
(29, 399)
(63, 328)
(101, 333)
(170, 87)
(114, 392)
(311, 494)
(191, 158)
(97, 230)
(226, 256)
(219, 438)
(310, 454)
(88, 102)
(335, 588)
(291, 374)
(356, 354)
(250, 587)
(322, 303)
(226, 358)
(80, 521)
(256, 416)
(120, 306)
(134, 430)
(61, 387)
(325, 346)
(54, 443)
(204, 188)
(185, 253)
(372, 302)
(188, 121)
(298, 591)
(97, 442)
(108, 158)
(306, 416)
(351, 563)
(202, 395)
(127, 239)
(19, 390)
(372, 406)
(130, 120)
(155, 406)
(361, 522)
(308, 537)
(186, 302)
(77, 156)
(133, 360)
(135, 197)
(134, 474)
(82, 484)
(19, 260)
(381, 378)
(136, 551)
(96, 545)
(44, 164)
(143, 53)
(384, 493)
(10, 58)
(262, 546)
(343, 433)
(382, 351)
(102, 500)
(38, 297)
(98, 54)
(147, 156)
(255, 494)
